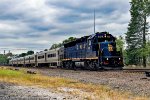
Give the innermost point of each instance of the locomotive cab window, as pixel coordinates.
(105, 38)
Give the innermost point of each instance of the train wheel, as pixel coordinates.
(63, 64)
(96, 66)
(70, 65)
(74, 66)
(67, 65)
(91, 66)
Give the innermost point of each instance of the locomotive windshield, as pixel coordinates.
(109, 49)
(106, 38)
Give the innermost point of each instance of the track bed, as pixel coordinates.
(134, 81)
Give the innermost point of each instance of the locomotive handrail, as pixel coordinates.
(101, 55)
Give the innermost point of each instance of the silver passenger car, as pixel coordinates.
(48, 58)
(32, 60)
(45, 58)
(14, 61)
(26, 60)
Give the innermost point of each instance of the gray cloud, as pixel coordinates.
(36, 24)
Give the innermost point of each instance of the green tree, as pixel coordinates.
(3, 59)
(144, 10)
(70, 39)
(30, 52)
(22, 55)
(146, 50)
(137, 30)
(54, 46)
(133, 35)
(45, 49)
(120, 43)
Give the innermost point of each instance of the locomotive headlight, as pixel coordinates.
(107, 59)
(119, 58)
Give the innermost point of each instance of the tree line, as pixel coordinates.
(26, 54)
(54, 46)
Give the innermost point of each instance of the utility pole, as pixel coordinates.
(4, 52)
(94, 21)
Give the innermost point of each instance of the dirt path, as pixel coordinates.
(15, 92)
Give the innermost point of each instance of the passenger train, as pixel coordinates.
(93, 52)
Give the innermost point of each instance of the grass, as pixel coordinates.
(87, 91)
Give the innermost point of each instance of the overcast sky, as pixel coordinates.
(36, 24)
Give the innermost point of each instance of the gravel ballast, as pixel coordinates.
(136, 83)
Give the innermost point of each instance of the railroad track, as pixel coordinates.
(136, 70)
(141, 71)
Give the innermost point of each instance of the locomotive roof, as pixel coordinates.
(78, 40)
(82, 39)
(42, 52)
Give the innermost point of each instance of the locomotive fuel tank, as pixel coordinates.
(79, 64)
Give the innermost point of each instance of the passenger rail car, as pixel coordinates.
(44, 58)
(49, 58)
(32, 60)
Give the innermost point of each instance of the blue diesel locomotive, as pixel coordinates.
(97, 51)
